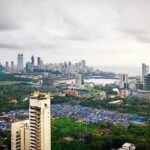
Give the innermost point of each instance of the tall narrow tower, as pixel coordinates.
(20, 62)
(32, 60)
(39, 116)
(78, 80)
(145, 71)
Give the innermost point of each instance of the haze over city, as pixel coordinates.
(110, 35)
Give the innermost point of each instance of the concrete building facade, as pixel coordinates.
(20, 135)
(123, 77)
(39, 116)
(20, 62)
(147, 82)
(145, 71)
(78, 80)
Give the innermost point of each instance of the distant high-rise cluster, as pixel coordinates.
(35, 133)
(142, 82)
(40, 63)
(20, 68)
(68, 68)
(12, 68)
(36, 65)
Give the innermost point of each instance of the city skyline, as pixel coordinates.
(75, 30)
(132, 71)
(74, 74)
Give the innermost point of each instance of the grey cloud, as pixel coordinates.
(10, 15)
(9, 46)
(137, 34)
(8, 27)
(145, 39)
(76, 29)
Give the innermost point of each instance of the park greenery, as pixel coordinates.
(5, 138)
(14, 91)
(93, 89)
(69, 134)
(11, 77)
(2, 83)
(130, 105)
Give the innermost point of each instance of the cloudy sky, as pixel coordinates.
(110, 34)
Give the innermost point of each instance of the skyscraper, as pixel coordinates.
(20, 135)
(32, 60)
(1, 69)
(39, 116)
(78, 80)
(83, 63)
(147, 82)
(123, 77)
(38, 61)
(29, 67)
(145, 71)
(12, 67)
(6, 67)
(20, 62)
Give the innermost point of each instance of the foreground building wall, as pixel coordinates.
(20, 135)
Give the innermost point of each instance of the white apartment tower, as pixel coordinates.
(123, 77)
(20, 135)
(78, 80)
(39, 116)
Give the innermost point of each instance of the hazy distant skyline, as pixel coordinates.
(109, 34)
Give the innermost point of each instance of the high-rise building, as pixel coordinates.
(20, 62)
(1, 69)
(138, 79)
(78, 80)
(38, 61)
(147, 82)
(69, 63)
(39, 116)
(145, 71)
(29, 67)
(32, 60)
(82, 66)
(41, 63)
(12, 67)
(123, 77)
(6, 67)
(83, 63)
(20, 135)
